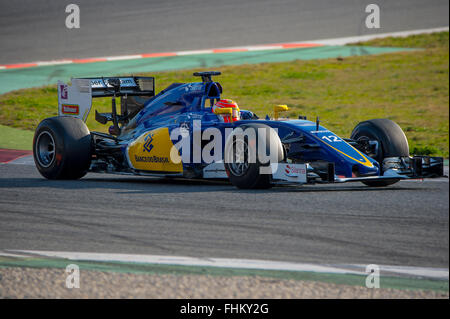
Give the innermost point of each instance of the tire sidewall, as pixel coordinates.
(252, 179)
(55, 169)
(391, 139)
(72, 148)
(252, 175)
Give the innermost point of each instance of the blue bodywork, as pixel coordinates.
(182, 104)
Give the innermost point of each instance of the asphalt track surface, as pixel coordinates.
(405, 224)
(34, 30)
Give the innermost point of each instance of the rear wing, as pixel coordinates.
(76, 100)
(130, 85)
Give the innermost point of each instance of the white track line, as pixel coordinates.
(44, 63)
(192, 52)
(360, 38)
(427, 272)
(123, 57)
(264, 47)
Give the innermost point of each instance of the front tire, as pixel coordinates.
(62, 148)
(246, 173)
(390, 141)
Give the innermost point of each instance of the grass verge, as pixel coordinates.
(14, 138)
(411, 88)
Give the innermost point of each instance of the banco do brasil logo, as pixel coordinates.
(148, 143)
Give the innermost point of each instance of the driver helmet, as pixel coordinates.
(231, 104)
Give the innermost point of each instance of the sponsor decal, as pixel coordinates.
(320, 131)
(151, 159)
(97, 83)
(293, 171)
(123, 82)
(103, 83)
(63, 89)
(152, 152)
(71, 109)
(195, 87)
(289, 172)
(148, 143)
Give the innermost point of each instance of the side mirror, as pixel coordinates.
(279, 108)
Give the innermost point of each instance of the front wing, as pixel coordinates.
(417, 167)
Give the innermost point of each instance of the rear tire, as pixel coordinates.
(62, 148)
(391, 140)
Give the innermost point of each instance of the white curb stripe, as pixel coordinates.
(123, 57)
(355, 39)
(265, 47)
(194, 52)
(428, 272)
(44, 63)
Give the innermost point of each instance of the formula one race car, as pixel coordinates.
(187, 130)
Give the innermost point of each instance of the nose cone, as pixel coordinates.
(363, 170)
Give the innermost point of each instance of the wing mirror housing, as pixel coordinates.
(279, 108)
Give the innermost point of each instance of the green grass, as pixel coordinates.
(14, 138)
(411, 88)
(424, 41)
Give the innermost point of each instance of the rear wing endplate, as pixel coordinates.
(76, 100)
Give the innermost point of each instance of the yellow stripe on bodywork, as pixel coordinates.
(156, 156)
(366, 161)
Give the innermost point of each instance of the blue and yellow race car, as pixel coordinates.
(188, 130)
